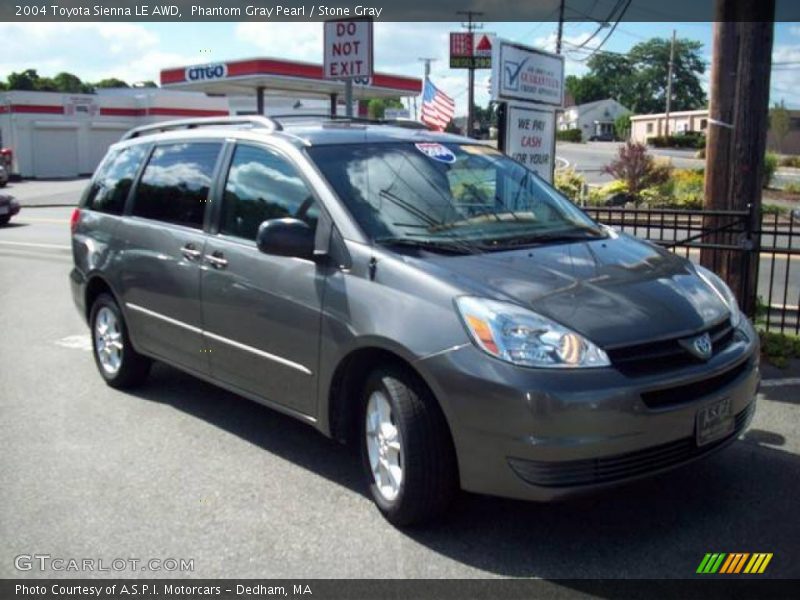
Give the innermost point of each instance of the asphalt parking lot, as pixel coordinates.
(183, 470)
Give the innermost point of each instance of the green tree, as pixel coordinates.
(486, 117)
(780, 122)
(622, 126)
(638, 79)
(23, 80)
(111, 82)
(376, 107)
(70, 84)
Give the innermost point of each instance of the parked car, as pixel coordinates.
(3, 175)
(418, 294)
(8, 208)
(602, 137)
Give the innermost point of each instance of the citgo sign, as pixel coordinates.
(206, 72)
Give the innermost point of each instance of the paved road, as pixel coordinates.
(591, 157)
(180, 469)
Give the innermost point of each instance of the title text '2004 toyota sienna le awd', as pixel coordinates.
(416, 293)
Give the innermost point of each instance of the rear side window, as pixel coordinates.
(262, 185)
(175, 184)
(114, 179)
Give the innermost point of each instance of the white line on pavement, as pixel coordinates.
(36, 245)
(780, 382)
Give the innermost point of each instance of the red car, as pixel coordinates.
(8, 208)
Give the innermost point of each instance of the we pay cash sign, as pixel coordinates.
(348, 49)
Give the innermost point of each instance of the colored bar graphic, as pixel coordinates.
(740, 564)
(733, 563)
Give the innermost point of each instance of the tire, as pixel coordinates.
(121, 367)
(428, 478)
(4, 220)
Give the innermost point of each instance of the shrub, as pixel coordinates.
(690, 139)
(790, 161)
(570, 183)
(773, 209)
(778, 348)
(569, 135)
(622, 126)
(770, 166)
(792, 188)
(637, 169)
(598, 195)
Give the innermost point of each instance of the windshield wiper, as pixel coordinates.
(449, 246)
(564, 235)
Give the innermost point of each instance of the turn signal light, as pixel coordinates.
(74, 220)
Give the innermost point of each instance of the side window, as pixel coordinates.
(113, 182)
(262, 185)
(175, 184)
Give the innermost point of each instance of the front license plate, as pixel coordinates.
(714, 421)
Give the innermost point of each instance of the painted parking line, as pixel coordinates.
(36, 245)
(81, 341)
(787, 381)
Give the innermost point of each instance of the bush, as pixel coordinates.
(569, 135)
(599, 195)
(778, 348)
(770, 166)
(637, 169)
(570, 183)
(792, 188)
(690, 139)
(790, 161)
(773, 209)
(622, 126)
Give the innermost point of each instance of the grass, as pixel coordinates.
(779, 348)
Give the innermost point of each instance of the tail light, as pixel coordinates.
(75, 220)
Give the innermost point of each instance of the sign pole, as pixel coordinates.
(348, 97)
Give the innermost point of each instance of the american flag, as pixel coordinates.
(437, 107)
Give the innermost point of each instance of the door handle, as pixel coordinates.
(190, 252)
(217, 260)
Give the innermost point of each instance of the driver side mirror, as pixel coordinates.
(286, 237)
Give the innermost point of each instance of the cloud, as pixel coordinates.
(785, 79)
(92, 51)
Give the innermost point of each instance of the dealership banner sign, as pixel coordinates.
(524, 74)
(530, 138)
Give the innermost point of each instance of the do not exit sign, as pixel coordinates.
(348, 49)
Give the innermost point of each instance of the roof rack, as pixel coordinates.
(405, 123)
(253, 120)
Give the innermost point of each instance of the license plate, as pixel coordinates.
(3, 210)
(714, 421)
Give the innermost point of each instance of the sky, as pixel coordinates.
(138, 51)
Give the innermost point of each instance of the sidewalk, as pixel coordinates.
(47, 192)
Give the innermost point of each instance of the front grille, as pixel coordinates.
(664, 355)
(692, 391)
(622, 466)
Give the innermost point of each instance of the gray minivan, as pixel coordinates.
(418, 294)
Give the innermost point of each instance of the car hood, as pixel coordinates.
(615, 291)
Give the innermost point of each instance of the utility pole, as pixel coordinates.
(471, 27)
(737, 132)
(560, 34)
(427, 62)
(669, 82)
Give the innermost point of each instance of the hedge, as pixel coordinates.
(686, 140)
(569, 135)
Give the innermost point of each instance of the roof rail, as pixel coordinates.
(254, 120)
(405, 123)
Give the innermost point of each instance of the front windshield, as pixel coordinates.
(434, 193)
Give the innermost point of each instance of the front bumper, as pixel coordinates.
(543, 434)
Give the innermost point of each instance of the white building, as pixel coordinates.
(65, 135)
(644, 127)
(593, 118)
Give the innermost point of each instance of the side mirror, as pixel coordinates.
(286, 237)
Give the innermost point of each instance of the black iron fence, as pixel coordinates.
(761, 255)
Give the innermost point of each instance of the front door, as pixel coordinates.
(164, 246)
(262, 312)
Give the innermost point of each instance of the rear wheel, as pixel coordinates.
(407, 452)
(119, 364)
(4, 220)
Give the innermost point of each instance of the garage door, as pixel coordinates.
(99, 141)
(55, 152)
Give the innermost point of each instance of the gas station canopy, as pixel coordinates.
(274, 76)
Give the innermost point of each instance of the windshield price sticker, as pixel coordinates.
(437, 152)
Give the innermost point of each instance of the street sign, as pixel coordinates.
(470, 50)
(522, 73)
(348, 49)
(396, 113)
(530, 139)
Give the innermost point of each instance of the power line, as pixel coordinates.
(613, 28)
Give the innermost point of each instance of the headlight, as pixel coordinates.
(723, 291)
(522, 337)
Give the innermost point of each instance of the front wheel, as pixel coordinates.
(407, 451)
(119, 364)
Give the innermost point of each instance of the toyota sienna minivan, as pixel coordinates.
(418, 294)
